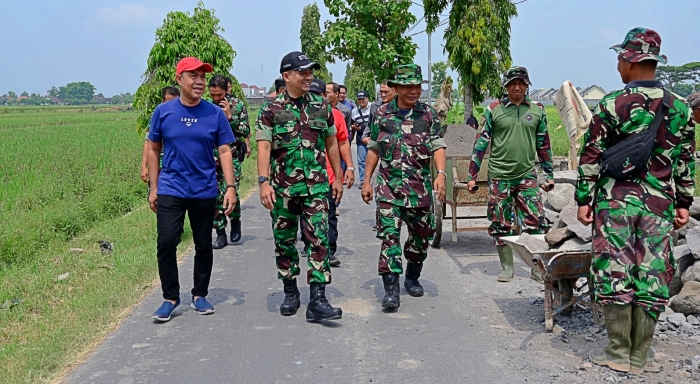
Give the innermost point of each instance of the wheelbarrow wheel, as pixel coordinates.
(438, 215)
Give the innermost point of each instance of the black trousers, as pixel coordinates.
(171, 218)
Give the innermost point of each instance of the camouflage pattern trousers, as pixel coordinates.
(511, 199)
(313, 213)
(421, 228)
(219, 217)
(633, 261)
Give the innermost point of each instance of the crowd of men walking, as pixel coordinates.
(303, 133)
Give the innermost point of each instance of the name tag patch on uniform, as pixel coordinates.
(318, 115)
(419, 126)
(283, 117)
(388, 126)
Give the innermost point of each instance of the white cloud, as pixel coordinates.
(124, 14)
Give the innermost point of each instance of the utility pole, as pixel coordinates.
(430, 73)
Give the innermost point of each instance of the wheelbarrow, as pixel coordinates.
(558, 269)
(457, 195)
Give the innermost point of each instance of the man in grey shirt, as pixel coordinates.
(332, 94)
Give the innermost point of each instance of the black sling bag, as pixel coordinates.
(630, 156)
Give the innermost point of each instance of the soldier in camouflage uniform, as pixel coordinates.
(294, 132)
(633, 217)
(405, 135)
(517, 129)
(237, 115)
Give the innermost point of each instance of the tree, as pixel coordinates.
(679, 78)
(370, 33)
(53, 92)
(359, 79)
(12, 95)
(183, 34)
(477, 40)
(311, 41)
(439, 74)
(79, 92)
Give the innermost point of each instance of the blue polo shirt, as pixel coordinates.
(189, 135)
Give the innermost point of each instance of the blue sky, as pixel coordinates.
(53, 42)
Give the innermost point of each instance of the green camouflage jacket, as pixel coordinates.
(297, 130)
(668, 182)
(405, 146)
(240, 125)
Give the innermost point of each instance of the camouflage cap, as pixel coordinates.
(406, 74)
(516, 72)
(641, 44)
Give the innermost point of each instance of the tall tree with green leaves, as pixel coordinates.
(183, 34)
(312, 42)
(679, 78)
(439, 74)
(477, 41)
(359, 79)
(370, 34)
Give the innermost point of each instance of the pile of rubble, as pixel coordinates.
(567, 233)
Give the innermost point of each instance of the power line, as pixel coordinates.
(439, 25)
(415, 25)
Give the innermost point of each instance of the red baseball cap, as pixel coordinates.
(191, 64)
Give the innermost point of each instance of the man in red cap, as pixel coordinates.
(188, 130)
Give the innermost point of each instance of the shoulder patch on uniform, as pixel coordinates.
(494, 104)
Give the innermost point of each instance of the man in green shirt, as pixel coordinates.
(517, 129)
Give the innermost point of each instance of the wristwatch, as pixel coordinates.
(262, 179)
(351, 169)
(443, 173)
(230, 186)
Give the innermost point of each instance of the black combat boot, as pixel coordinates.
(318, 308)
(411, 282)
(333, 261)
(391, 287)
(235, 231)
(290, 305)
(220, 241)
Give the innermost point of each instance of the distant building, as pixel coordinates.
(548, 94)
(593, 92)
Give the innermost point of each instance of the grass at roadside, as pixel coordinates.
(47, 323)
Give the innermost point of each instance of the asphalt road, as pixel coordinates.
(462, 330)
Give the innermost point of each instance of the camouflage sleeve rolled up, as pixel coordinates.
(264, 125)
(330, 120)
(684, 171)
(593, 147)
(437, 132)
(481, 145)
(242, 128)
(544, 149)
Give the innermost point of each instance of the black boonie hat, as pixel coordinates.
(361, 94)
(297, 61)
(317, 86)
